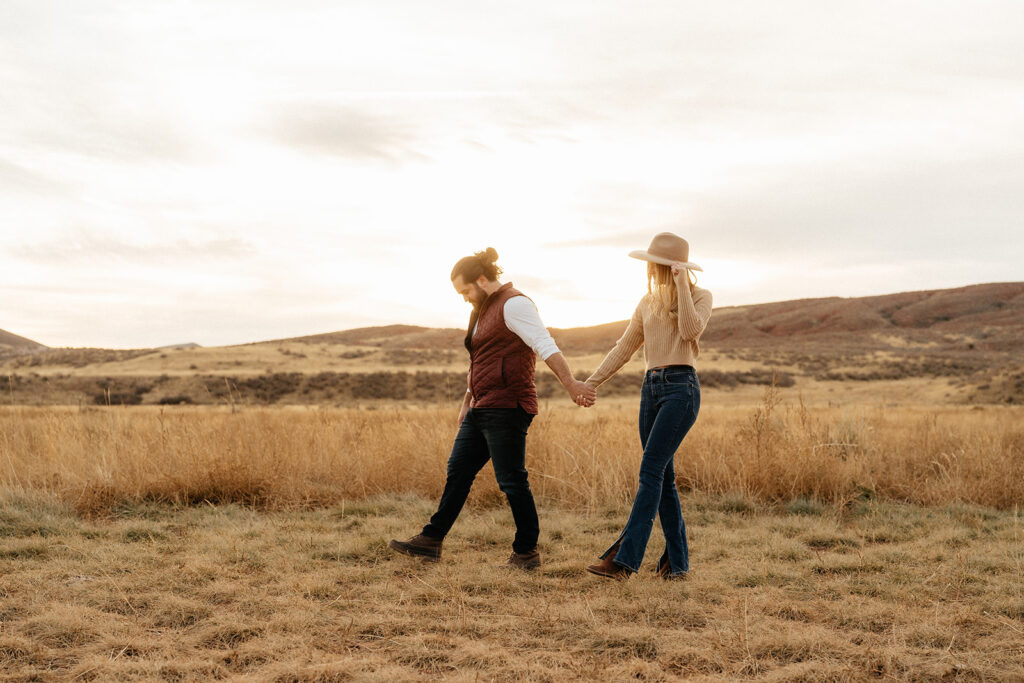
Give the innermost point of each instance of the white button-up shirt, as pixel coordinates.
(521, 317)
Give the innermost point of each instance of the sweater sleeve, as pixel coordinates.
(694, 311)
(631, 340)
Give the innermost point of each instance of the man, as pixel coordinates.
(504, 337)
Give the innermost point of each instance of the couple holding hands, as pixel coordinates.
(505, 336)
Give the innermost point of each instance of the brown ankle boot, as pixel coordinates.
(663, 569)
(419, 546)
(530, 560)
(607, 567)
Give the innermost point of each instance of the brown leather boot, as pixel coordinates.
(530, 560)
(607, 567)
(663, 569)
(419, 546)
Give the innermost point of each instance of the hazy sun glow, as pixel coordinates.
(230, 172)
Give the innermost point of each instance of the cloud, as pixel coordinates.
(349, 132)
(901, 209)
(630, 239)
(551, 288)
(121, 136)
(18, 180)
(100, 313)
(873, 208)
(86, 249)
(96, 121)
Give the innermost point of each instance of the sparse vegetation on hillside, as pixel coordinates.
(994, 313)
(13, 346)
(971, 338)
(293, 388)
(77, 358)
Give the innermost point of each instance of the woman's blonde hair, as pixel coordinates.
(661, 288)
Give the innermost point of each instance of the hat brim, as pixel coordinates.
(645, 256)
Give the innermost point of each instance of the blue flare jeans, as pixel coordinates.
(669, 403)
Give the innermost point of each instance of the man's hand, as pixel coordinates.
(467, 403)
(582, 393)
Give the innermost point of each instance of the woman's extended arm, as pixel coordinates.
(693, 313)
(631, 340)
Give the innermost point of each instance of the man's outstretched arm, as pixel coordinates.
(522, 318)
(580, 392)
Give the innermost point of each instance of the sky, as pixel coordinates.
(228, 171)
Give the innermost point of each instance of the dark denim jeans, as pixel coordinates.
(498, 435)
(669, 403)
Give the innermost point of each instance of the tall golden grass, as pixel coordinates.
(95, 459)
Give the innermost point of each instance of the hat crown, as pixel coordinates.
(669, 246)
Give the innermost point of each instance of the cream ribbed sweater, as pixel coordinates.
(665, 341)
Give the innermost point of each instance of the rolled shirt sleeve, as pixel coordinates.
(521, 317)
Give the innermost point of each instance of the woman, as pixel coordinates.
(667, 322)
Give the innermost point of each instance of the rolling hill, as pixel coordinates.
(991, 314)
(13, 345)
(962, 344)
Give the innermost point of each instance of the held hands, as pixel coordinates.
(582, 393)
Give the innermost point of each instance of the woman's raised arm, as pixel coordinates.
(693, 313)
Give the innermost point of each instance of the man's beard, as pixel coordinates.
(479, 296)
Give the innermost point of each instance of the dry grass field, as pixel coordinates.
(223, 513)
(828, 542)
(775, 451)
(875, 590)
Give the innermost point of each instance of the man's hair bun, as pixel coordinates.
(480, 263)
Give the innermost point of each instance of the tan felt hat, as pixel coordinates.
(667, 249)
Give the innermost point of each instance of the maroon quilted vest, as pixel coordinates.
(501, 365)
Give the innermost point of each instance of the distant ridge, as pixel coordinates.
(991, 314)
(11, 344)
(958, 345)
(984, 316)
(391, 336)
(991, 311)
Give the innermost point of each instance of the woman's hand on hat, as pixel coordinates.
(678, 267)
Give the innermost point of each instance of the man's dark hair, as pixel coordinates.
(481, 263)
